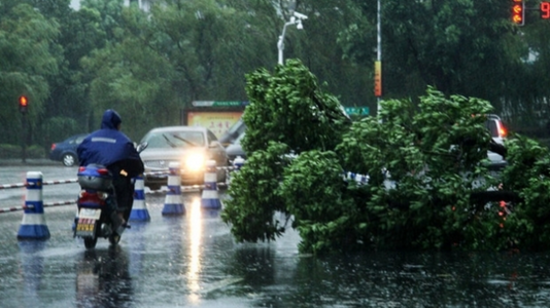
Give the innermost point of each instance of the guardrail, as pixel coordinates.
(33, 225)
(187, 188)
(44, 183)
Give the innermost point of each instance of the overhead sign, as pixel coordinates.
(357, 110)
(219, 103)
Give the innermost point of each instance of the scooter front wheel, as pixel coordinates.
(89, 242)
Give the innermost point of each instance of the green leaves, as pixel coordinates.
(255, 196)
(423, 164)
(29, 56)
(289, 106)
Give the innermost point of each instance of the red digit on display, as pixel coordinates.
(545, 10)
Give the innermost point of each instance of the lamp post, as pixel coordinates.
(295, 19)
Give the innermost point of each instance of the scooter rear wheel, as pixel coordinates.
(89, 242)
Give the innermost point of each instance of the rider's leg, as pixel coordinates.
(124, 195)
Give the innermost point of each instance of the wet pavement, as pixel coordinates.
(192, 261)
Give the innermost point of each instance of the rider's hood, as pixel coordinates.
(110, 119)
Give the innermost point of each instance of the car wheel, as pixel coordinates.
(68, 160)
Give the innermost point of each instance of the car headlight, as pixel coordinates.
(194, 162)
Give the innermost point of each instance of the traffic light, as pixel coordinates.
(518, 12)
(23, 104)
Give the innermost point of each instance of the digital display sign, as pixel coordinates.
(545, 10)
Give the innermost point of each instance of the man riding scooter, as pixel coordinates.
(111, 148)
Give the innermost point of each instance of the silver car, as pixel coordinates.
(190, 146)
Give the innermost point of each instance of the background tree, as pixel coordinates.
(30, 56)
(468, 47)
(204, 49)
(67, 108)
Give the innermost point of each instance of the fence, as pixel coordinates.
(26, 185)
(187, 188)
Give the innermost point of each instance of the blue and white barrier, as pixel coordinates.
(210, 197)
(139, 207)
(359, 178)
(34, 225)
(238, 163)
(173, 204)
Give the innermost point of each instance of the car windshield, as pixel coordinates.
(176, 139)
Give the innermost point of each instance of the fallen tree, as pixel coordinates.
(299, 143)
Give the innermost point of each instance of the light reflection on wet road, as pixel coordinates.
(192, 261)
(171, 261)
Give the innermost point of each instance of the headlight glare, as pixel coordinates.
(194, 162)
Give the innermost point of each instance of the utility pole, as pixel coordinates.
(23, 106)
(378, 63)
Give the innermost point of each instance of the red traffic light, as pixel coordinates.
(518, 12)
(23, 103)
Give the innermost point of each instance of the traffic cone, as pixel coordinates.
(238, 162)
(139, 208)
(210, 198)
(173, 204)
(33, 225)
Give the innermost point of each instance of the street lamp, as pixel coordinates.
(295, 19)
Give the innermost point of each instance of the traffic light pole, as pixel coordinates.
(23, 106)
(24, 137)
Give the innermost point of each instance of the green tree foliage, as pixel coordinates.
(178, 52)
(68, 101)
(279, 106)
(202, 50)
(468, 47)
(256, 198)
(427, 168)
(529, 176)
(29, 56)
(326, 23)
(292, 91)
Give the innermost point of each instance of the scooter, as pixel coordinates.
(96, 216)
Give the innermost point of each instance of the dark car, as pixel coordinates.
(233, 133)
(65, 151)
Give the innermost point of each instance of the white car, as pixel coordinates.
(190, 146)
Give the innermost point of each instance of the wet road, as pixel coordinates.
(192, 261)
